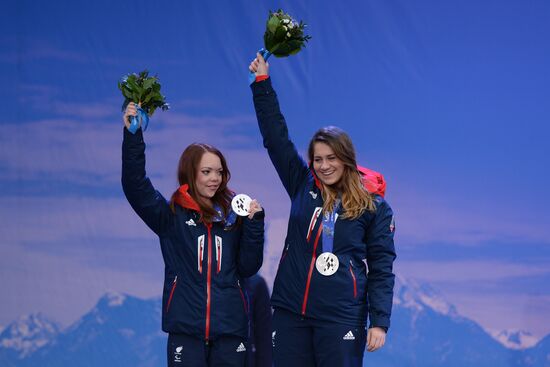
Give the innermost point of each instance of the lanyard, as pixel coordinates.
(329, 222)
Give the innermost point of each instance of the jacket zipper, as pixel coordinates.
(284, 253)
(245, 306)
(354, 280)
(208, 283)
(311, 266)
(171, 293)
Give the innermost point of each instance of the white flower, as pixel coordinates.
(286, 21)
(285, 28)
(291, 25)
(288, 34)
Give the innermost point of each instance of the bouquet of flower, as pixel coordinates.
(283, 37)
(144, 90)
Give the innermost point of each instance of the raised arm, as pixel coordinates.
(290, 166)
(148, 203)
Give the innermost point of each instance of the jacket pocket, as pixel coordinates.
(354, 280)
(172, 290)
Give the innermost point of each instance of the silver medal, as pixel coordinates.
(327, 263)
(241, 204)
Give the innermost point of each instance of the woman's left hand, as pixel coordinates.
(254, 208)
(376, 337)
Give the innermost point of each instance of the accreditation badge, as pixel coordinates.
(327, 264)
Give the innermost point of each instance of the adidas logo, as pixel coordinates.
(313, 195)
(241, 348)
(349, 336)
(191, 222)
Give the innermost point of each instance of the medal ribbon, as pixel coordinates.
(329, 222)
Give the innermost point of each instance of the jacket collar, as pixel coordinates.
(185, 200)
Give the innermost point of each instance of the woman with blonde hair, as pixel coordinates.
(323, 292)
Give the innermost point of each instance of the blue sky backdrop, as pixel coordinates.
(449, 100)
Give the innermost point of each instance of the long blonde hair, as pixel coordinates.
(355, 198)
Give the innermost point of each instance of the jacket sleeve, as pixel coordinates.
(290, 166)
(148, 203)
(251, 247)
(380, 257)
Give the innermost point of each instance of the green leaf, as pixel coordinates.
(148, 83)
(126, 92)
(272, 23)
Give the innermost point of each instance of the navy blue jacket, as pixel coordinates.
(202, 293)
(350, 295)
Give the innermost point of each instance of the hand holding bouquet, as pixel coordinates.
(144, 91)
(283, 37)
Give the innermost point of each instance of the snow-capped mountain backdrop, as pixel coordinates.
(119, 331)
(26, 335)
(122, 330)
(516, 339)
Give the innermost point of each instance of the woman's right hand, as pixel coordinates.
(259, 66)
(131, 110)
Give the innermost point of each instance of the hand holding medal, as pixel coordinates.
(141, 98)
(244, 206)
(283, 37)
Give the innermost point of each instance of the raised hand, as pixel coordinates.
(131, 110)
(259, 66)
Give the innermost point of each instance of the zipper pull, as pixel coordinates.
(175, 279)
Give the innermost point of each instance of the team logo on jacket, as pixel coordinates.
(327, 263)
(177, 354)
(313, 220)
(313, 195)
(191, 222)
(241, 348)
(200, 252)
(392, 224)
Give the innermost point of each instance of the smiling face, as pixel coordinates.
(328, 167)
(209, 176)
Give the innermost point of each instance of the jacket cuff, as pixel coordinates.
(381, 322)
(259, 78)
(262, 87)
(137, 137)
(258, 216)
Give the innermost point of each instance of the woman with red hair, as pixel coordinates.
(207, 251)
